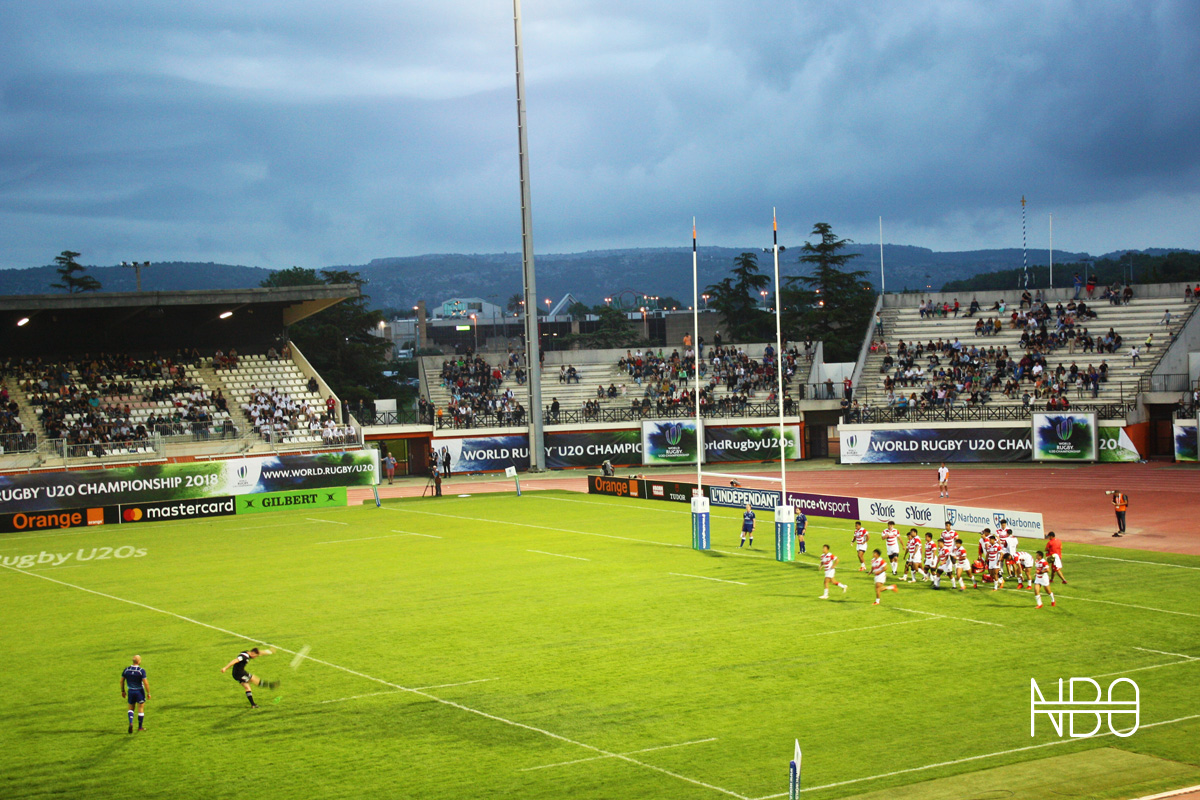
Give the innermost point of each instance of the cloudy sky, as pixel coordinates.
(315, 133)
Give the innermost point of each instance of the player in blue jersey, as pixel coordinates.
(747, 526)
(801, 524)
(136, 690)
(245, 678)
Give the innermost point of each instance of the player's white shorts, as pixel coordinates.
(862, 548)
(1057, 561)
(1042, 580)
(893, 549)
(915, 561)
(829, 573)
(964, 566)
(881, 577)
(1026, 560)
(993, 563)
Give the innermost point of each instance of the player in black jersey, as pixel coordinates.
(136, 690)
(245, 678)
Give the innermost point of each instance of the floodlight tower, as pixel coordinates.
(537, 450)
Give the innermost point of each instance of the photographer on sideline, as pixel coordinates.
(1120, 502)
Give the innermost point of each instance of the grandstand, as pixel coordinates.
(1117, 391)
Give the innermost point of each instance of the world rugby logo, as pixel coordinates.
(1065, 428)
(852, 441)
(242, 472)
(674, 433)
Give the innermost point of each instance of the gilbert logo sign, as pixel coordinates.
(1100, 708)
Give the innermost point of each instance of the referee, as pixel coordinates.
(1120, 502)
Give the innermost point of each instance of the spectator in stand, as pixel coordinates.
(1078, 283)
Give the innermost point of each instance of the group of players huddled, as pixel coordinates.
(999, 558)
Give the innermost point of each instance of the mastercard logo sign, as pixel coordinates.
(131, 514)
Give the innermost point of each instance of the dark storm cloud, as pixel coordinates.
(280, 133)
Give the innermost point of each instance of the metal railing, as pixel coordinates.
(1169, 382)
(1186, 411)
(183, 431)
(976, 413)
(130, 448)
(25, 442)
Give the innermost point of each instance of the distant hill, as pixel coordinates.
(590, 276)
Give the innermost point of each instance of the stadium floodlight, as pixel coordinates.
(22, 322)
(226, 314)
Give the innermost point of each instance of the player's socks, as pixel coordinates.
(1052, 598)
(752, 541)
(893, 588)
(844, 587)
(875, 603)
(742, 543)
(141, 722)
(1039, 605)
(250, 697)
(824, 596)
(131, 722)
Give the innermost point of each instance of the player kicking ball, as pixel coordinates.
(1042, 579)
(829, 565)
(879, 570)
(245, 678)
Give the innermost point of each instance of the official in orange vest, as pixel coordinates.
(1120, 502)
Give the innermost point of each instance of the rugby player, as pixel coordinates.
(860, 538)
(245, 678)
(879, 570)
(943, 481)
(891, 538)
(828, 565)
(1042, 579)
(913, 567)
(1054, 556)
(747, 525)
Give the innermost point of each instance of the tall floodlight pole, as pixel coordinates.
(1024, 256)
(696, 344)
(537, 450)
(1051, 251)
(882, 280)
(779, 365)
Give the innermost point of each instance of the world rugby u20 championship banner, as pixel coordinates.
(669, 441)
(1186, 441)
(725, 443)
(1064, 437)
(1115, 445)
(931, 445)
(143, 484)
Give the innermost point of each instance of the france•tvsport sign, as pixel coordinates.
(191, 481)
(930, 445)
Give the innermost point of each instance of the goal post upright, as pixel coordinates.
(701, 515)
(785, 514)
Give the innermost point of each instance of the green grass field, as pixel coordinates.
(564, 645)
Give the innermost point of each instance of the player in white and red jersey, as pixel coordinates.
(1042, 578)
(995, 552)
(1009, 539)
(914, 557)
(828, 566)
(944, 564)
(931, 556)
(879, 570)
(962, 565)
(860, 544)
(948, 535)
(983, 541)
(1024, 569)
(891, 541)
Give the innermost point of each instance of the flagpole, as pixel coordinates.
(779, 366)
(1051, 251)
(1024, 252)
(696, 344)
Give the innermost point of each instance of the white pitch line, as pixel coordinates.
(1135, 561)
(393, 535)
(402, 691)
(413, 533)
(970, 758)
(420, 692)
(1125, 605)
(263, 527)
(867, 627)
(705, 578)
(559, 555)
(630, 753)
(1165, 653)
(947, 616)
(330, 521)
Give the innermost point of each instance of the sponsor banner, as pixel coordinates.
(615, 487)
(903, 513)
(566, 449)
(1185, 441)
(1064, 437)
(669, 442)
(725, 443)
(1115, 445)
(50, 491)
(931, 445)
(486, 453)
(282, 501)
(47, 520)
(45, 559)
(974, 520)
(737, 497)
(669, 490)
(824, 505)
(177, 509)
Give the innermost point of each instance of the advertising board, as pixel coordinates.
(931, 445)
(1064, 437)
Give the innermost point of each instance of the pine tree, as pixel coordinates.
(737, 298)
(831, 304)
(71, 275)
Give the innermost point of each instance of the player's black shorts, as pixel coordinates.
(241, 676)
(136, 696)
